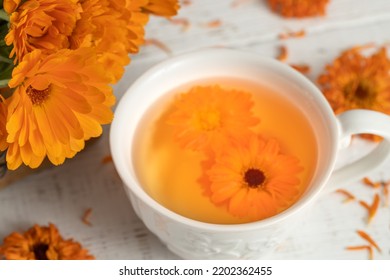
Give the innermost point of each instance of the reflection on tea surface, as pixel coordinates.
(224, 151)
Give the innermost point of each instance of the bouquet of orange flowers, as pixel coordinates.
(58, 60)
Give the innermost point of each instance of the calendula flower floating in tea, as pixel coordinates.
(42, 243)
(299, 8)
(357, 81)
(243, 172)
(254, 178)
(209, 117)
(54, 56)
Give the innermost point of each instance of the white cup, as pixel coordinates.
(191, 239)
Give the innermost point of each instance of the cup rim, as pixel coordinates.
(130, 182)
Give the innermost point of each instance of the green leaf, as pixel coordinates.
(6, 71)
(4, 49)
(4, 28)
(5, 60)
(4, 83)
(4, 16)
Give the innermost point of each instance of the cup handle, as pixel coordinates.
(357, 122)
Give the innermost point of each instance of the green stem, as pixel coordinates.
(4, 15)
(4, 82)
(5, 60)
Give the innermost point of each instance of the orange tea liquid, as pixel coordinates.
(170, 174)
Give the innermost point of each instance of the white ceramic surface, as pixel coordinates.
(196, 240)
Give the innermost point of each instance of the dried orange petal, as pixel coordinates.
(349, 196)
(185, 23)
(368, 238)
(370, 183)
(107, 159)
(283, 54)
(303, 68)
(293, 34)
(86, 216)
(158, 44)
(214, 23)
(373, 208)
(362, 247)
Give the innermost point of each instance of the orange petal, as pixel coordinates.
(347, 194)
(374, 208)
(368, 238)
(86, 216)
(370, 183)
(297, 34)
(283, 54)
(158, 44)
(363, 247)
(303, 68)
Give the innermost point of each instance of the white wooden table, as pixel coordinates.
(61, 195)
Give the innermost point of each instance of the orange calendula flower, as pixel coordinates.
(42, 243)
(42, 24)
(136, 20)
(116, 28)
(101, 26)
(10, 5)
(299, 8)
(209, 117)
(254, 179)
(356, 81)
(59, 101)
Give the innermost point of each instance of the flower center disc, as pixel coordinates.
(37, 97)
(254, 177)
(40, 251)
(209, 119)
